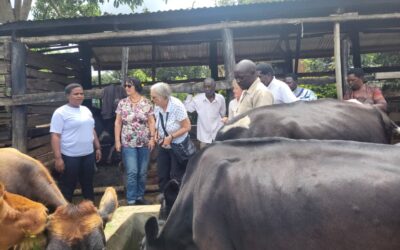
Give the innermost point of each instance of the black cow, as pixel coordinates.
(323, 119)
(286, 194)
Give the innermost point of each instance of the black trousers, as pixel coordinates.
(77, 169)
(168, 167)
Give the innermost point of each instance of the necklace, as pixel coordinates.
(133, 101)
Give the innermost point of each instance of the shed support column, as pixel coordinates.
(355, 41)
(229, 58)
(124, 64)
(153, 62)
(213, 60)
(18, 83)
(345, 60)
(86, 54)
(338, 66)
(298, 48)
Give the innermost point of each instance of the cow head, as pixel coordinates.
(81, 226)
(167, 201)
(21, 220)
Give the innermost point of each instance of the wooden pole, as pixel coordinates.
(229, 58)
(345, 60)
(86, 75)
(213, 54)
(355, 42)
(124, 64)
(205, 28)
(153, 62)
(338, 72)
(18, 83)
(298, 48)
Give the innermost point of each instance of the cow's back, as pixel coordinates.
(285, 194)
(323, 119)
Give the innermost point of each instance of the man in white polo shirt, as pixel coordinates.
(210, 108)
(280, 90)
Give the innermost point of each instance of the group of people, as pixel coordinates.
(140, 126)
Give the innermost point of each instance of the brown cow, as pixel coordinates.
(19, 218)
(71, 226)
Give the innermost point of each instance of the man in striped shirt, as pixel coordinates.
(301, 93)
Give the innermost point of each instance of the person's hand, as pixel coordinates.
(98, 155)
(224, 119)
(118, 146)
(59, 165)
(152, 144)
(167, 141)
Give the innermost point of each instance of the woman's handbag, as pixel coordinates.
(184, 150)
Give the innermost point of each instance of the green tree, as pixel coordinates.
(56, 8)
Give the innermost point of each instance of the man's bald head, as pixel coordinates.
(245, 73)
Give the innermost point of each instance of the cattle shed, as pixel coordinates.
(39, 58)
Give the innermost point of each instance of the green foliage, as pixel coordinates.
(318, 64)
(52, 9)
(182, 73)
(322, 91)
(48, 9)
(234, 2)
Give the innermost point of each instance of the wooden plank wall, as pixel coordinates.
(45, 73)
(5, 91)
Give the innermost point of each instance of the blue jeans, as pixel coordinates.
(135, 161)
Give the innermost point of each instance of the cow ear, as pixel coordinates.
(108, 204)
(171, 192)
(151, 229)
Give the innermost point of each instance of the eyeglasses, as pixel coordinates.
(127, 85)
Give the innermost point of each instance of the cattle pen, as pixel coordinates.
(39, 58)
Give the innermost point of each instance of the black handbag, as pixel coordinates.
(182, 151)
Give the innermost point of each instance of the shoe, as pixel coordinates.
(131, 203)
(141, 202)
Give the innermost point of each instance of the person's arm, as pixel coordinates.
(151, 123)
(222, 110)
(97, 146)
(117, 132)
(379, 100)
(56, 147)
(189, 104)
(185, 127)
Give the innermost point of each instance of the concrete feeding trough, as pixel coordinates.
(126, 229)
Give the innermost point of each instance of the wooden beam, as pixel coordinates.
(124, 64)
(51, 97)
(213, 55)
(18, 82)
(229, 60)
(205, 28)
(355, 41)
(387, 75)
(298, 48)
(338, 71)
(345, 54)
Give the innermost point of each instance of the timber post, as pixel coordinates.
(213, 54)
(229, 58)
(86, 75)
(338, 67)
(124, 64)
(18, 83)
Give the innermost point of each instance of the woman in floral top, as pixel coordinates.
(134, 136)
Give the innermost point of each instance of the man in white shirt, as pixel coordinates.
(280, 90)
(210, 108)
(255, 94)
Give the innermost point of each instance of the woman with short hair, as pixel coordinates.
(75, 144)
(134, 136)
(172, 125)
